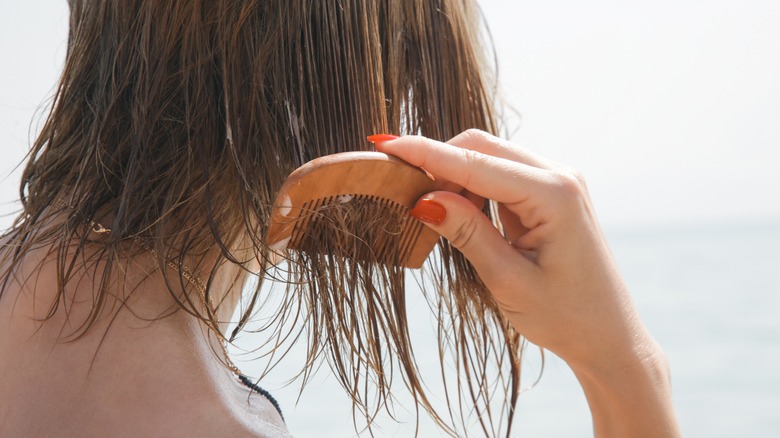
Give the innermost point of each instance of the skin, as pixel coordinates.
(552, 273)
(125, 377)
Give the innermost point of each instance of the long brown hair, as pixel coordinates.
(179, 120)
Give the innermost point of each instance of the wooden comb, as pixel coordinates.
(354, 180)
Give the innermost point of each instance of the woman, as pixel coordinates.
(148, 191)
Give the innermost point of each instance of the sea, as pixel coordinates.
(710, 295)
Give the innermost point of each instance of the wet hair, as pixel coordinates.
(176, 122)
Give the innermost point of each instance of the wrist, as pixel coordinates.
(641, 358)
(630, 396)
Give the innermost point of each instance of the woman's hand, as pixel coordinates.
(550, 272)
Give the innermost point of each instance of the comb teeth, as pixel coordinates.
(363, 227)
(354, 205)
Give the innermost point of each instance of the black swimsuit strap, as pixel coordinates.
(253, 386)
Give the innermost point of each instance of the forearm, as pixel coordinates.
(630, 400)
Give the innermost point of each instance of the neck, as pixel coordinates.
(131, 361)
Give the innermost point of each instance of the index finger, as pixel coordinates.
(495, 178)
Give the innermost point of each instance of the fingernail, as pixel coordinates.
(429, 211)
(378, 138)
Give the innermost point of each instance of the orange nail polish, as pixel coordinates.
(378, 138)
(427, 210)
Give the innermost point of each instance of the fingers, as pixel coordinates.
(492, 177)
(488, 144)
(468, 229)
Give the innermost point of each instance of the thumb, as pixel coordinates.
(468, 229)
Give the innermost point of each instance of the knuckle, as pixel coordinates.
(471, 159)
(464, 233)
(578, 176)
(470, 136)
(474, 133)
(568, 185)
(474, 161)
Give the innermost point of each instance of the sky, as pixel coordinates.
(669, 108)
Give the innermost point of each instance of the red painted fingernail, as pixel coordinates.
(429, 211)
(378, 138)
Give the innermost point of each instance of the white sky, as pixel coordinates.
(669, 108)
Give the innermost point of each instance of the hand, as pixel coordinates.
(551, 271)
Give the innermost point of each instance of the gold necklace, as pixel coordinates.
(185, 272)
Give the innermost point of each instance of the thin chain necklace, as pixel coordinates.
(193, 279)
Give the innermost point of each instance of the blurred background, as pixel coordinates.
(670, 109)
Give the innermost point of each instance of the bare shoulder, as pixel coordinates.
(257, 412)
(246, 415)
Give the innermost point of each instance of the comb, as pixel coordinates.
(325, 198)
